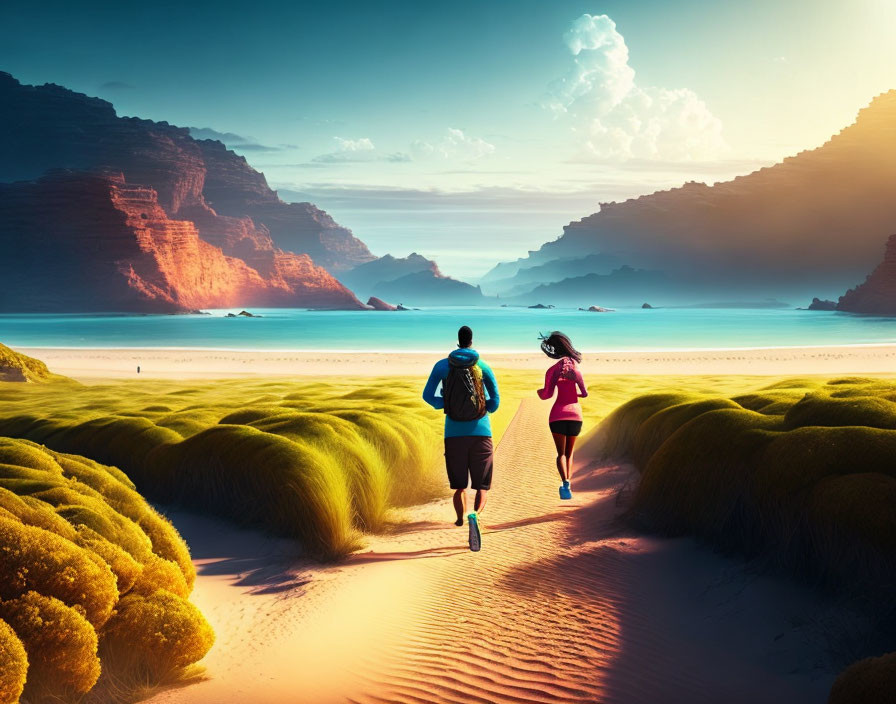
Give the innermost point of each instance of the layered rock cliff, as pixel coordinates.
(812, 222)
(232, 187)
(88, 241)
(877, 295)
(200, 181)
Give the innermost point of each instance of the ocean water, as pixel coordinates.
(434, 329)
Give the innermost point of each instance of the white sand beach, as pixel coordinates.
(87, 364)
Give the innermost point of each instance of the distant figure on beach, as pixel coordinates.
(138, 368)
(565, 420)
(469, 393)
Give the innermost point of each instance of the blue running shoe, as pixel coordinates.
(475, 533)
(565, 491)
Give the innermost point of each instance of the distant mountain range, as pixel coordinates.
(510, 280)
(412, 280)
(364, 278)
(814, 222)
(624, 286)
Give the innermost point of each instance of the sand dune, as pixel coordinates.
(563, 604)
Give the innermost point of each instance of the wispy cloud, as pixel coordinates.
(494, 199)
(237, 142)
(619, 118)
(454, 144)
(354, 151)
(253, 147)
(364, 144)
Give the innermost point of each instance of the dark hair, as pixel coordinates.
(558, 346)
(464, 337)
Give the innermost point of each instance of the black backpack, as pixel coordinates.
(463, 392)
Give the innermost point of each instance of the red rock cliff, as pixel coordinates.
(110, 246)
(234, 188)
(48, 127)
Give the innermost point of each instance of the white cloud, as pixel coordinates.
(364, 144)
(455, 144)
(617, 117)
(355, 151)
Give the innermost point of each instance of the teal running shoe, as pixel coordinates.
(565, 491)
(475, 532)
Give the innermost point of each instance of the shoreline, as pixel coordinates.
(299, 350)
(207, 363)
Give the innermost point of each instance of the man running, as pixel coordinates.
(469, 393)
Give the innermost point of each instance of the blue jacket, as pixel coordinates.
(454, 428)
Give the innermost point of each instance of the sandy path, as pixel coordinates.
(562, 604)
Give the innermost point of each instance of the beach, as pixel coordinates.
(87, 364)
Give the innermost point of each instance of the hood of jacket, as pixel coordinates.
(464, 357)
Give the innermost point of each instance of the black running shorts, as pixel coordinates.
(469, 460)
(566, 427)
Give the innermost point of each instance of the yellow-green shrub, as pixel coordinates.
(654, 431)
(118, 441)
(697, 480)
(404, 446)
(812, 487)
(125, 568)
(13, 665)
(155, 634)
(35, 559)
(159, 573)
(80, 508)
(869, 681)
(806, 476)
(118, 491)
(61, 644)
(824, 409)
(80, 532)
(339, 439)
(20, 454)
(166, 541)
(383, 441)
(259, 478)
(616, 436)
(33, 512)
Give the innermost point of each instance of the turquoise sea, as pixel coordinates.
(433, 329)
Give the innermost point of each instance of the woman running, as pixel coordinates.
(566, 415)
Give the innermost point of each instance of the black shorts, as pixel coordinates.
(566, 427)
(469, 460)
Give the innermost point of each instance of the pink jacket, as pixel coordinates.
(567, 379)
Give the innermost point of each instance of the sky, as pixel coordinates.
(472, 131)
